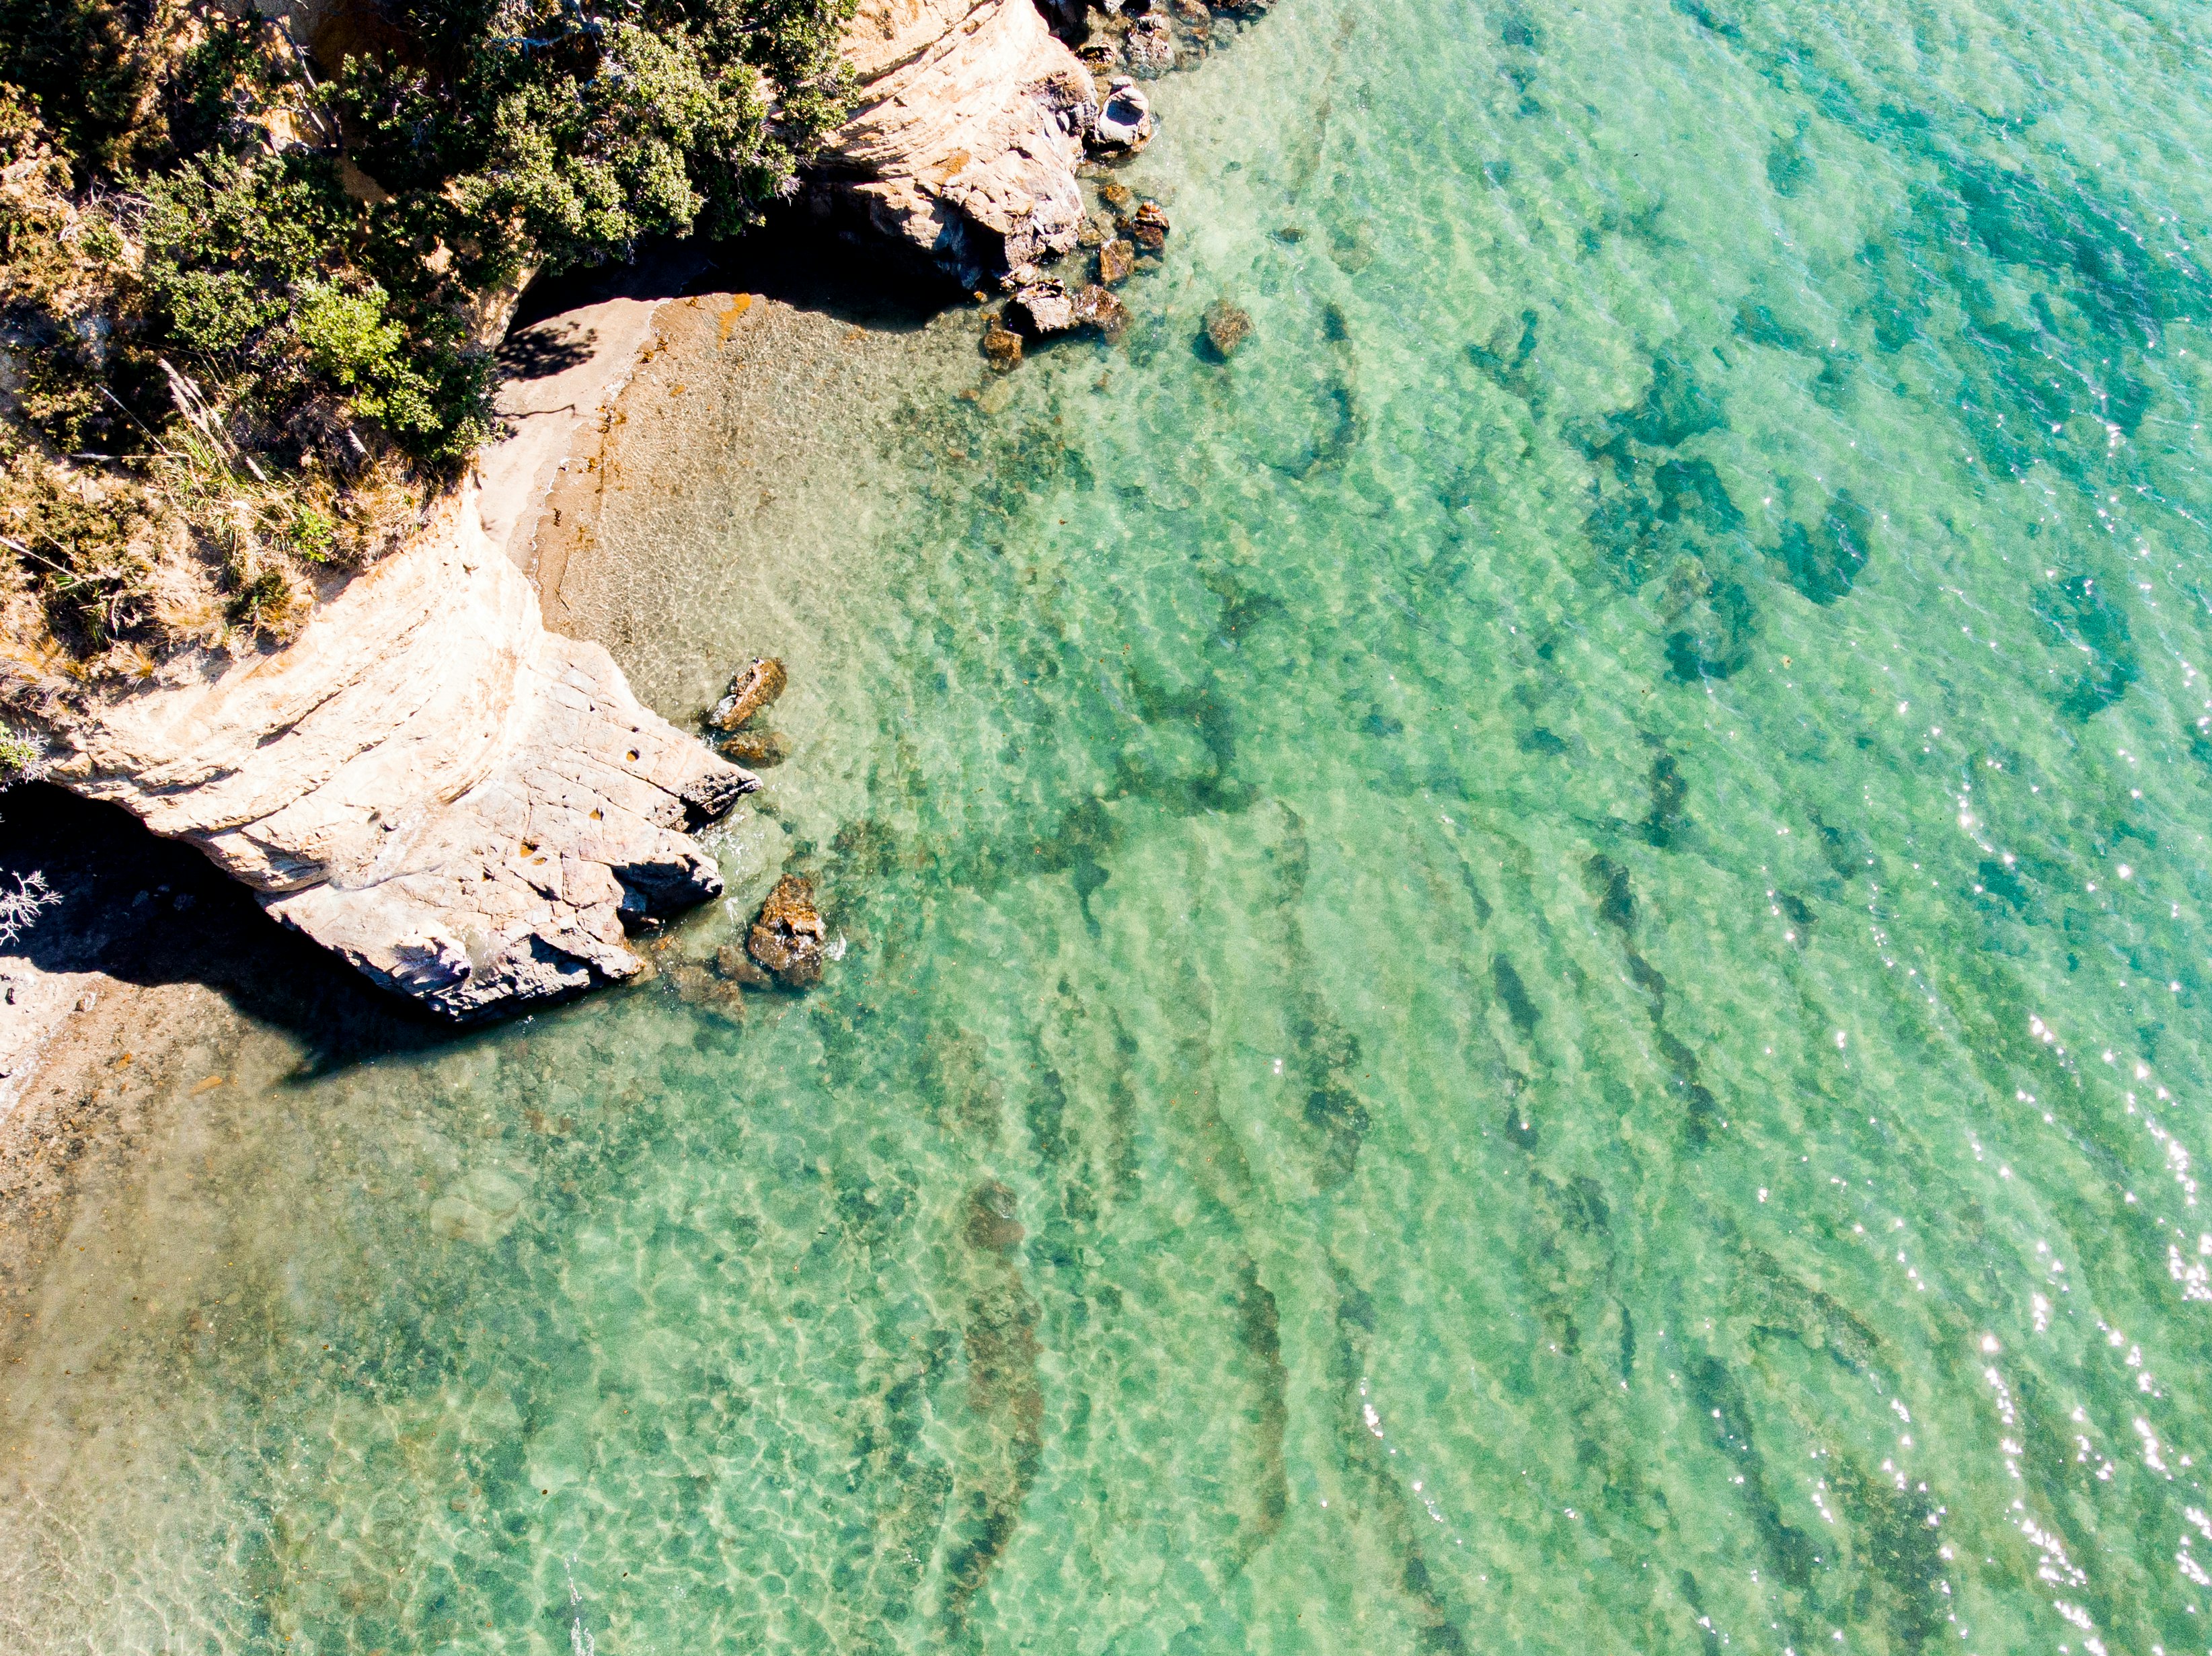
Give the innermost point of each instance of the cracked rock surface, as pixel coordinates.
(963, 145)
(469, 809)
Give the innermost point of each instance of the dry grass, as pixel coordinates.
(111, 563)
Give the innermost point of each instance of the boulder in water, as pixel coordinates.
(1148, 227)
(789, 937)
(1227, 326)
(751, 690)
(1003, 346)
(1116, 259)
(1046, 307)
(1043, 308)
(1124, 119)
(1095, 307)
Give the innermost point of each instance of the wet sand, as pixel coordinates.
(142, 981)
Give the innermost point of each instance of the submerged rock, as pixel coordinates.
(1096, 308)
(752, 689)
(737, 967)
(1116, 259)
(696, 985)
(762, 748)
(1148, 227)
(789, 937)
(480, 1208)
(1227, 326)
(1003, 346)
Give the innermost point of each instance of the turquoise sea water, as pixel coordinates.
(1525, 972)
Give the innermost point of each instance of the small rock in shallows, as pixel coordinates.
(751, 690)
(1116, 259)
(1003, 346)
(1227, 326)
(790, 937)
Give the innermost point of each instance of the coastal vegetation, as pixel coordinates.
(249, 280)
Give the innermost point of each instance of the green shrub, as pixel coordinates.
(311, 534)
(20, 757)
(168, 228)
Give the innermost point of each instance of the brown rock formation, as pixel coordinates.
(752, 689)
(970, 124)
(1003, 347)
(789, 938)
(1116, 259)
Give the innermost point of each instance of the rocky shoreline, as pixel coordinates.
(976, 118)
(474, 811)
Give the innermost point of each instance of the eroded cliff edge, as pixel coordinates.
(466, 807)
(964, 144)
(472, 811)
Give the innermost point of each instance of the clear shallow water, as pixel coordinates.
(1525, 973)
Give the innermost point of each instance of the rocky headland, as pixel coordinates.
(468, 808)
(475, 811)
(971, 122)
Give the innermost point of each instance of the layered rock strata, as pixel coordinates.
(469, 809)
(963, 145)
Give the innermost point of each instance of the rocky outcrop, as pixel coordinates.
(754, 687)
(470, 809)
(789, 938)
(970, 123)
(1048, 306)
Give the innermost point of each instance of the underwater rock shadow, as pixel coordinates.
(150, 911)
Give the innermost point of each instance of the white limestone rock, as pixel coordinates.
(466, 807)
